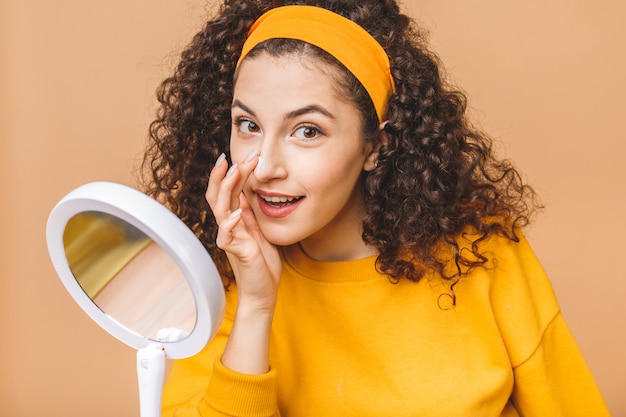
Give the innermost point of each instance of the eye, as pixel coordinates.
(248, 126)
(307, 132)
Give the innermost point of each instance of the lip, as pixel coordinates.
(272, 211)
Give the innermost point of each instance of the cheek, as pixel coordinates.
(346, 162)
(233, 149)
(239, 150)
(330, 172)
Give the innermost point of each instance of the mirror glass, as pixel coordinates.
(135, 268)
(129, 277)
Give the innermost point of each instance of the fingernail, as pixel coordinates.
(251, 155)
(235, 213)
(231, 170)
(220, 160)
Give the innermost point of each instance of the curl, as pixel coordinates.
(437, 178)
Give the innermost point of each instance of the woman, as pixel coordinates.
(368, 239)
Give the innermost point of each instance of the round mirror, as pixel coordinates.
(129, 277)
(135, 268)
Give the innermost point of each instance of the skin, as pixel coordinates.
(289, 111)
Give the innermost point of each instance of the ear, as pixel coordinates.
(371, 162)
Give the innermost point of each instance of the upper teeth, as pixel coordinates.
(276, 199)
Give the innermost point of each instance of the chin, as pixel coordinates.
(279, 237)
(281, 241)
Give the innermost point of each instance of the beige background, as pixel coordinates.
(546, 78)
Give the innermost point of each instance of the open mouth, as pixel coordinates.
(279, 201)
(278, 206)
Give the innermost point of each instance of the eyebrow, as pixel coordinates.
(313, 108)
(237, 103)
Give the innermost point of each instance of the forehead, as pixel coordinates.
(284, 75)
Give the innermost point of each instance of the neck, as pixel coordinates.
(345, 253)
(340, 240)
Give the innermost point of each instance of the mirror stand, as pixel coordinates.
(150, 369)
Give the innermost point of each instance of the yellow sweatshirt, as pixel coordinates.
(347, 342)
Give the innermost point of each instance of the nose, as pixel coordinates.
(271, 163)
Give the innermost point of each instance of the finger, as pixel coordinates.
(215, 179)
(225, 235)
(247, 214)
(245, 168)
(223, 193)
(252, 227)
(222, 205)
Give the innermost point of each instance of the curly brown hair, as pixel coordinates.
(437, 178)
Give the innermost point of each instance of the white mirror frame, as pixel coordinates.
(164, 228)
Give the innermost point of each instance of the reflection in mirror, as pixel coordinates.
(129, 277)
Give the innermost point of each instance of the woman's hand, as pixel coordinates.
(255, 262)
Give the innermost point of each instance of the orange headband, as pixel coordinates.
(345, 40)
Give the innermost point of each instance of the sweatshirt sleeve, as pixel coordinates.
(202, 386)
(551, 375)
(555, 380)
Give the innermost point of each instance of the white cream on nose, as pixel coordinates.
(259, 166)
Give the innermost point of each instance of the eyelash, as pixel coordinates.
(317, 130)
(239, 122)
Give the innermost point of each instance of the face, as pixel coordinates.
(306, 187)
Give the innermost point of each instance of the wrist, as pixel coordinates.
(247, 349)
(255, 311)
(255, 304)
